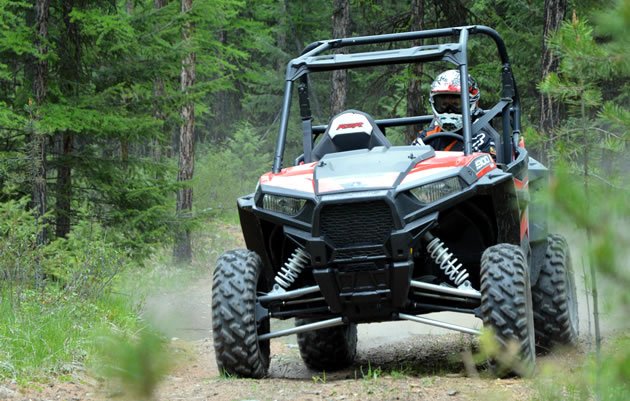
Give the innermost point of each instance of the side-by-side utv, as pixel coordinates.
(360, 231)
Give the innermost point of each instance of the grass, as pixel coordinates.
(50, 333)
(54, 331)
(573, 376)
(320, 379)
(371, 374)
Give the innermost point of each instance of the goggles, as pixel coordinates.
(447, 103)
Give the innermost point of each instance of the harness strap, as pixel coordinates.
(446, 149)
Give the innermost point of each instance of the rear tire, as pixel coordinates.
(554, 297)
(234, 328)
(506, 305)
(329, 349)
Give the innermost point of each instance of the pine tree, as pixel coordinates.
(339, 78)
(39, 138)
(183, 250)
(549, 111)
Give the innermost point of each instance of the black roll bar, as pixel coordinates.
(463, 77)
(455, 53)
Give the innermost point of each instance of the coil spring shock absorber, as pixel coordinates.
(298, 260)
(446, 262)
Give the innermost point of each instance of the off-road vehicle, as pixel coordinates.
(360, 231)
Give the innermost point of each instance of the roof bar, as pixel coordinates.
(300, 66)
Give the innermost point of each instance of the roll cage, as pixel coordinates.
(456, 53)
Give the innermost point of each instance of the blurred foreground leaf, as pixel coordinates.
(139, 364)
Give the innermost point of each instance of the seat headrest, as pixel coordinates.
(350, 130)
(349, 122)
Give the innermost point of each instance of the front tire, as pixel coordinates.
(330, 348)
(506, 304)
(554, 297)
(234, 327)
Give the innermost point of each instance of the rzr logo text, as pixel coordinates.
(350, 125)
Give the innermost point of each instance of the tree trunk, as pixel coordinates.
(158, 111)
(550, 111)
(339, 78)
(415, 104)
(39, 139)
(183, 251)
(64, 186)
(158, 114)
(69, 70)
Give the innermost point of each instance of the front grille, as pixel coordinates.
(356, 224)
(360, 252)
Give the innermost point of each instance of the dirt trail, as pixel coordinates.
(395, 361)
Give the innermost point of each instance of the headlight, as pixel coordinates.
(437, 190)
(283, 204)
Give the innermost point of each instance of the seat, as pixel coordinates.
(350, 130)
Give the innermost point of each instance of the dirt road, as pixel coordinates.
(395, 361)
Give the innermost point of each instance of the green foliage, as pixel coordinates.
(18, 266)
(613, 25)
(104, 63)
(581, 68)
(503, 359)
(86, 261)
(231, 170)
(592, 142)
(597, 120)
(51, 332)
(371, 374)
(520, 24)
(320, 379)
(135, 207)
(604, 214)
(575, 377)
(52, 297)
(137, 362)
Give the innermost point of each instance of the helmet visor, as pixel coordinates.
(447, 103)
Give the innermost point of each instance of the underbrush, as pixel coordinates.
(55, 297)
(227, 171)
(60, 301)
(578, 377)
(52, 332)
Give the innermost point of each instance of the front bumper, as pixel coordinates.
(363, 272)
(361, 244)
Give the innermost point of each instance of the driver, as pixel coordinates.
(445, 98)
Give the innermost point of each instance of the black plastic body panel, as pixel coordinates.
(538, 216)
(366, 278)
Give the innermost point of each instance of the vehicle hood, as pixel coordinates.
(379, 167)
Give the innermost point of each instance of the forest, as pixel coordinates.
(128, 129)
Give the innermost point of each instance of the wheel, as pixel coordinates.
(331, 348)
(506, 304)
(555, 302)
(234, 327)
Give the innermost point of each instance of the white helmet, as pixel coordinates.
(445, 99)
